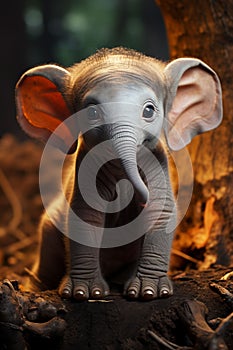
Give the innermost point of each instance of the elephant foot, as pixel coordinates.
(83, 290)
(148, 288)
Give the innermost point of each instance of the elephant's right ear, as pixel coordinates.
(41, 106)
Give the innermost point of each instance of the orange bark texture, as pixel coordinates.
(204, 29)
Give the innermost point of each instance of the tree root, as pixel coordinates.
(166, 343)
(193, 317)
(223, 292)
(14, 324)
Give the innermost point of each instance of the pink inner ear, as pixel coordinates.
(194, 109)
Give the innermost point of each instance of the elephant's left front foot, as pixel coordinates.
(149, 288)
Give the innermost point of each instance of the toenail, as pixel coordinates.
(80, 292)
(96, 293)
(132, 293)
(65, 293)
(164, 293)
(148, 294)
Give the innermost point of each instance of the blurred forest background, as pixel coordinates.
(35, 32)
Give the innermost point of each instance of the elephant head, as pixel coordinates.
(129, 99)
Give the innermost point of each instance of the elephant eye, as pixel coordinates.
(148, 111)
(93, 113)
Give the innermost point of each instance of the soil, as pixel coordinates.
(111, 324)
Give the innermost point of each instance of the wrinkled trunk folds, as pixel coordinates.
(125, 145)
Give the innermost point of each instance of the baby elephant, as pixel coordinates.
(115, 221)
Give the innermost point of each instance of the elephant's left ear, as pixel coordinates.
(194, 103)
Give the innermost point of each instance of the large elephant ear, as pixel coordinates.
(194, 103)
(41, 106)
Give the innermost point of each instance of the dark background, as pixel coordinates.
(35, 32)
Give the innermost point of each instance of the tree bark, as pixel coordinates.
(204, 29)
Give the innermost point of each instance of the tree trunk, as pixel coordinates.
(204, 29)
(13, 53)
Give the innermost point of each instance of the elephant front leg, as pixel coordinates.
(84, 279)
(151, 280)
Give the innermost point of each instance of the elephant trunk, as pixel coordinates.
(125, 145)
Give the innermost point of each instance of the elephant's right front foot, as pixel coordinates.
(80, 289)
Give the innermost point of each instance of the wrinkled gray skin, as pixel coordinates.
(111, 76)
